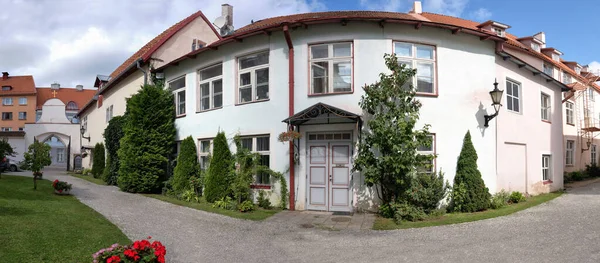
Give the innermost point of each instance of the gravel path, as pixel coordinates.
(565, 229)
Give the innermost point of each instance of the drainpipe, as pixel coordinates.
(288, 40)
(145, 73)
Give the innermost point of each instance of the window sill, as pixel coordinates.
(209, 110)
(421, 94)
(569, 165)
(571, 124)
(251, 102)
(260, 186)
(549, 122)
(330, 94)
(180, 116)
(548, 182)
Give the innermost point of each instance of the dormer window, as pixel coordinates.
(555, 57)
(492, 26)
(6, 88)
(578, 70)
(499, 32)
(566, 78)
(549, 70)
(535, 46)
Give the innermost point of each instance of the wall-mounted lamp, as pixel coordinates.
(82, 130)
(496, 95)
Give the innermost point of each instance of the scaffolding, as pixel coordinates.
(584, 99)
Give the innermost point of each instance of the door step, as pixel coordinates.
(343, 213)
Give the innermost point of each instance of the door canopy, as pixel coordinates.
(322, 113)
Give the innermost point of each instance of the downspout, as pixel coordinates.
(141, 69)
(288, 40)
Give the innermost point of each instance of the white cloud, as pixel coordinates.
(481, 14)
(594, 67)
(72, 41)
(446, 7)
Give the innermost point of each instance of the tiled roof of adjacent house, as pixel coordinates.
(65, 95)
(20, 85)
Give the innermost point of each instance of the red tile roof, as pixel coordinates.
(65, 95)
(21, 85)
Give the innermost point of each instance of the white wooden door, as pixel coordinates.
(329, 177)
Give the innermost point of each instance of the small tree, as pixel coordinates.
(99, 160)
(220, 175)
(469, 192)
(187, 166)
(112, 139)
(147, 143)
(36, 158)
(5, 150)
(387, 152)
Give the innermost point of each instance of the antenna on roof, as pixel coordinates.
(225, 22)
(220, 22)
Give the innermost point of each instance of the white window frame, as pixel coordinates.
(569, 106)
(499, 32)
(211, 89)
(23, 101)
(566, 78)
(548, 69)
(330, 67)
(6, 129)
(555, 57)
(109, 113)
(176, 92)
(513, 97)
(253, 86)
(7, 101)
(593, 154)
(84, 122)
(535, 46)
(429, 152)
(203, 153)
(413, 61)
(590, 93)
(570, 152)
(545, 107)
(24, 115)
(262, 153)
(546, 167)
(7, 119)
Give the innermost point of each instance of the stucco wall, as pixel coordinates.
(15, 108)
(526, 129)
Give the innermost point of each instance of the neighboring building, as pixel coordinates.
(18, 96)
(306, 72)
(187, 35)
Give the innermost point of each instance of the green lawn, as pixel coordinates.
(455, 218)
(256, 215)
(88, 178)
(39, 226)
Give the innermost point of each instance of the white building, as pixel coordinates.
(307, 70)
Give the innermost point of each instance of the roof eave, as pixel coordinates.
(522, 64)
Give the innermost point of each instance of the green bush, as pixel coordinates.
(86, 171)
(407, 212)
(386, 210)
(187, 166)
(112, 140)
(477, 196)
(500, 199)
(220, 175)
(516, 197)
(148, 140)
(427, 190)
(437, 213)
(99, 160)
(225, 203)
(592, 170)
(263, 200)
(189, 195)
(246, 206)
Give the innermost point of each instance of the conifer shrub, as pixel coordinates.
(99, 160)
(220, 173)
(470, 193)
(112, 140)
(427, 191)
(187, 166)
(147, 143)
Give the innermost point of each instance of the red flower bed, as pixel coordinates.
(139, 251)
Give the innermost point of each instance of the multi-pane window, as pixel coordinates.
(4, 129)
(204, 152)
(253, 77)
(21, 128)
(569, 156)
(569, 112)
(6, 88)
(578, 70)
(546, 170)
(429, 166)
(22, 115)
(545, 107)
(331, 68)
(566, 78)
(211, 88)
(7, 101)
(109, 113)
(7, 116)
(555, 57)
(84, 123)
(548, 70)
(23, 101)
(72, 106)
(260, 145)
(593, 154)
(178, 88)
(513, 103)
(535, 46)
(590, 93)
(422, 58)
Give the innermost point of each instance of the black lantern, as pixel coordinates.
(496, 95)
(82, 130)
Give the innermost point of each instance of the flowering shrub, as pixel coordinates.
(139, 251)
(61, 186)
(288, 136)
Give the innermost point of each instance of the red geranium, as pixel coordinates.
(141, 244)
(113, 259)
(130, 253)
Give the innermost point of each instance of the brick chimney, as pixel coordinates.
(227, 13)
(4, 75)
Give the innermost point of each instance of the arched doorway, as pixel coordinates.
(58, 153)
